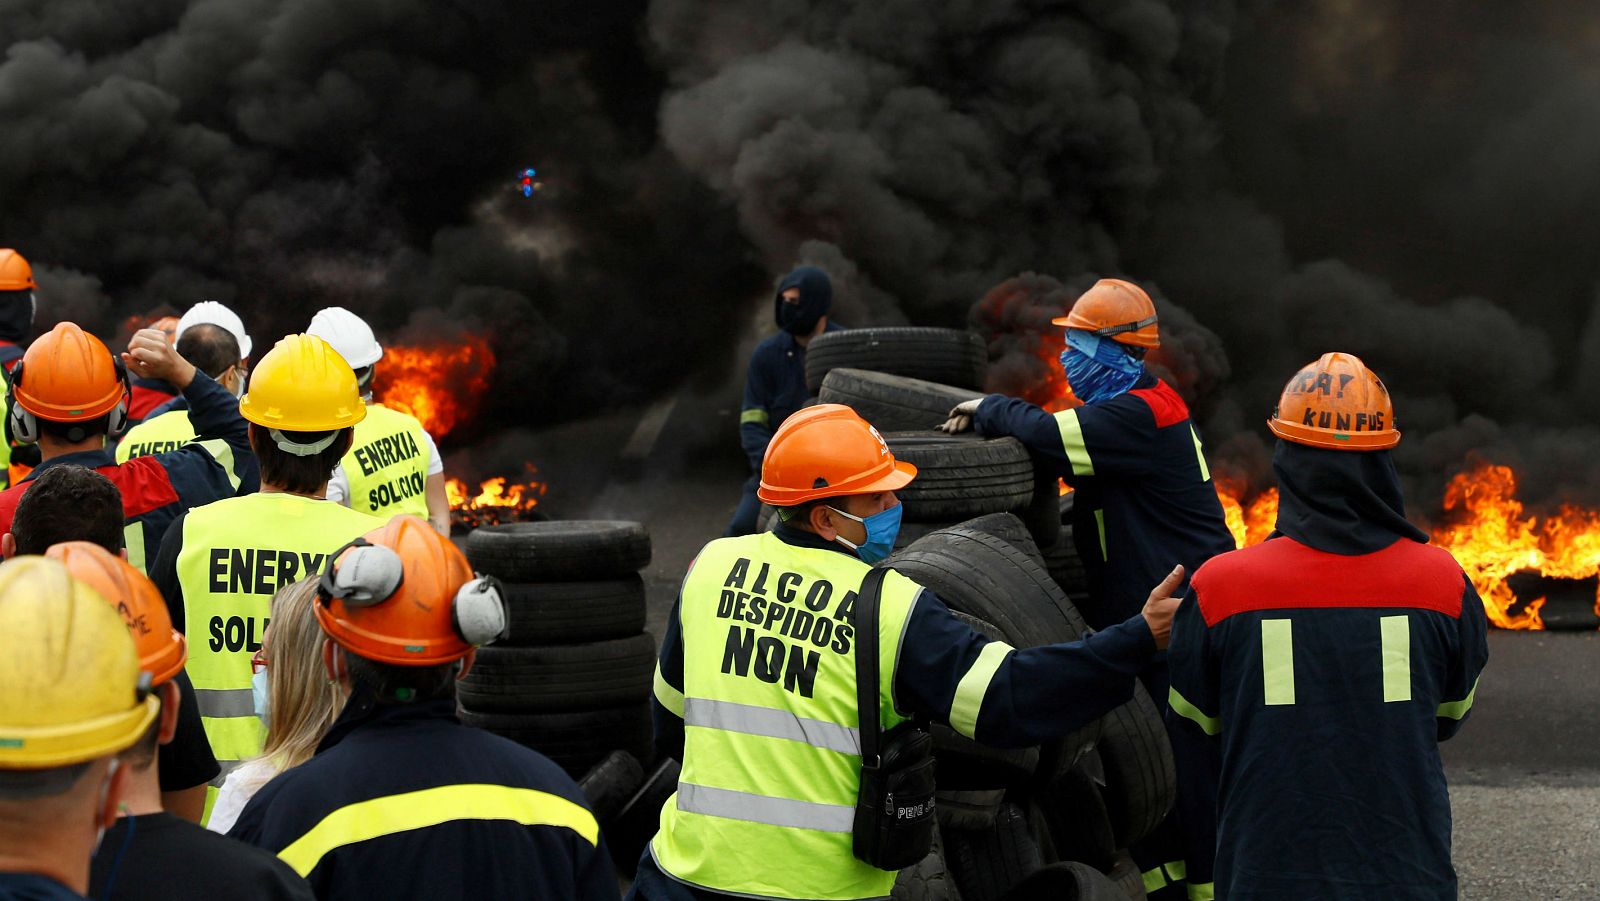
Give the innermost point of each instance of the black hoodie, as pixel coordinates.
(1341, 502)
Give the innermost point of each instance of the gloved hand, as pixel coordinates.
(960, 417)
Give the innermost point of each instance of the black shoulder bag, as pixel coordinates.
(894, 811)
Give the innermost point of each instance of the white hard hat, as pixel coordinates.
(209, 312)
(349, 334)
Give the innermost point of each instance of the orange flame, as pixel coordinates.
(497, 500)
(440, 384)
(1250, 523)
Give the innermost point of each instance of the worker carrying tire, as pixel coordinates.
(1144, 500)
(221, 564)
(775, 384)
(75, 699)
(69, 395)
(1328, 662)
(394, 464)
(759, 661)
(401, 800)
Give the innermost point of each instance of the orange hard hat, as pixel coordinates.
(162, 649)
(1337, 403)
(1115, 309)
(15, 273)
(68, 375)
(404, 594)
(828, 451)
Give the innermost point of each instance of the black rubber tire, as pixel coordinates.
(636, 823)
(892, 403)
(988, 862)
(1043, 513)
(1127, 877)
(1076, 816)
(559, 550)
(1065, 881)
(568, 612)
(560, 677)
(610, 783)
(963, 764)
(947, 356)
(929, 880)
(968, 808)
(575, 740)
(1141, 784)
(1008, 528)
(962, 476)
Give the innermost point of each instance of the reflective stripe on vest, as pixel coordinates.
(166, 432)
(388, 464)
(771, 764)
(236, 554)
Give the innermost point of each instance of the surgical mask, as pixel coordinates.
(1098, 369)
(238, 382)
(258, 695)
(882, 529)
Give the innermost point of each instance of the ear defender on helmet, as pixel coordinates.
(479, 611)
(370, 574)
(25, 426)
(117, 419)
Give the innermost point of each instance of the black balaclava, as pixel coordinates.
(16, 316)
(816, 297)
(1341, 502)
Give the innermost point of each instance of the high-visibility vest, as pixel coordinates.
(167, 432)
(771, 763)
(236, 554)
(387, 465)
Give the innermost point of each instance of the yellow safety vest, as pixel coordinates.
(167, 432)
(771, 762)
(387, 465)
(236, 554)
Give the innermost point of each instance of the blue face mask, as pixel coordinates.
(258, 695)
(1098, 369)
(882, 528)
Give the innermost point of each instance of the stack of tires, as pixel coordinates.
(571, 678)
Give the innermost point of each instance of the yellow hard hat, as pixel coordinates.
(70, 675)
(303, 385)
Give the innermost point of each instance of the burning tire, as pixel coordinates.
(610, 783)
(892, 403)
(636, 823)
(559, 550)
(1076, 817)
(947, 356)
(1066, 881)
(559, 612)
(560, 677)
(962, 476)
(1141, 782)
(574, 739)
(986, 863)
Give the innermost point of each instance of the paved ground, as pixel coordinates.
(1525, 771)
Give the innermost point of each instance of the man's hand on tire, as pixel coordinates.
(1160, 607)
(960, 417)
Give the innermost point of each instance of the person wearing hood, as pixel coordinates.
(775, 386)
(1328, 662)
(1143, 501)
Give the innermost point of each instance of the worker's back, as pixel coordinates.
(386, 471)
(1329, 680)
(156, 435)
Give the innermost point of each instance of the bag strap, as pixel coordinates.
(866, 623)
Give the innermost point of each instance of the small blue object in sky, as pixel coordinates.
(528, 183)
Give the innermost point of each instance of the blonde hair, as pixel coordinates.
(304, 701)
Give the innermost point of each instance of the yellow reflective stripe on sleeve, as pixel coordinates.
(223, 454)
(1176, 870)
(1277, 661)
(1396, 658)
(1154, 880)
(1183, 707)
(1455, 710)
(1200, 455)
(964, 708)
(1202, 891)
(670, 697)
(430, 807)
(1072, 443)
(1100, 524)
(755, 415)
(133, 540)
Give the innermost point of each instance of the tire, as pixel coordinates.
(968, 809)
(610, 783)
(963, 764)
(929, 880)
(892, 403)
(1141, 783)
(1043, 514)
(1076, 817)
(947, 356)
(1008, 528)
(1066, 881)
(571, 612)
(560, 550)
(988, 862)
(962, 476)
(636, 823)
(575, 740)
(1127, 877)
(560, 677)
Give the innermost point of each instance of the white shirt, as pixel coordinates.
(237, 789)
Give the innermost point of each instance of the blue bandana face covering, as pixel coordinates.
(882, 529)
(1098, 369)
